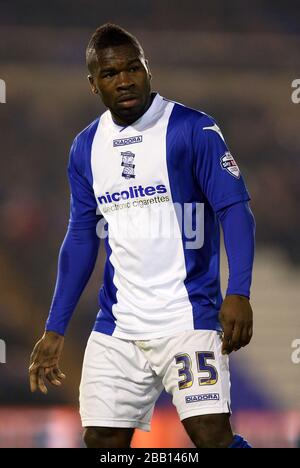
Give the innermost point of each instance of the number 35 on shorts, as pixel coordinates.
(203, 365)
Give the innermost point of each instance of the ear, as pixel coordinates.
(92, 84)
(148, 68)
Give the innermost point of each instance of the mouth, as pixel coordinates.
(129, 100)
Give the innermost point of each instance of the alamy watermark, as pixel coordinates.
(296, 353)
(2, 92)
(2, 352)
(296, 93)
(135, 221)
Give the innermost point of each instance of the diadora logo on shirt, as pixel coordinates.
(203, 397)
(128, 141)
(132, 192)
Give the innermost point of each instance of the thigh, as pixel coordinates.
(210, 431)
(118, 389)
(194, 372)
(107, 437)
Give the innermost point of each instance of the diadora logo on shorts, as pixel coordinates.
(228, 163)
(128, 141)
(203, 397)
(132, 192)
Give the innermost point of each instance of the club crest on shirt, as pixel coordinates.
(228, 163)
(127, 164)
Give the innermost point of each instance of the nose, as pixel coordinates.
(124, 81)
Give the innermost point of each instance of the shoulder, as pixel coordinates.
(191, 117)
(86, 136)
(80, 153)
(193, 123)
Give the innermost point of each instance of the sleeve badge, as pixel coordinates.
(228, 164)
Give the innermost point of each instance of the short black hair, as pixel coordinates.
(109, 35)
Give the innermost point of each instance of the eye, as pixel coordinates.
(134, 68)
(109, 74)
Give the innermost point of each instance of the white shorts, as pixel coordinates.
(122, 379)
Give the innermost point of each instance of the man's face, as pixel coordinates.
(122, 79)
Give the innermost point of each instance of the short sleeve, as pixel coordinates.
(83, 205)
(216, 169)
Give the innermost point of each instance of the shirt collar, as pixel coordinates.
(144, 120)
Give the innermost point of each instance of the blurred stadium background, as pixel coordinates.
(231, 60)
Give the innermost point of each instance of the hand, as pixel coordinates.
(236, 318)
(44, 362)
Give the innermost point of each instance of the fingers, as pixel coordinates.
(59, 374)
(38, 374)
(54, 376)
(246, 335)
(51, 377)
(243, 337)
(226, 346)
(36, 377)
(236, 338)
(33, 377)
(41, 385)
(236, 341)
(232, 339)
